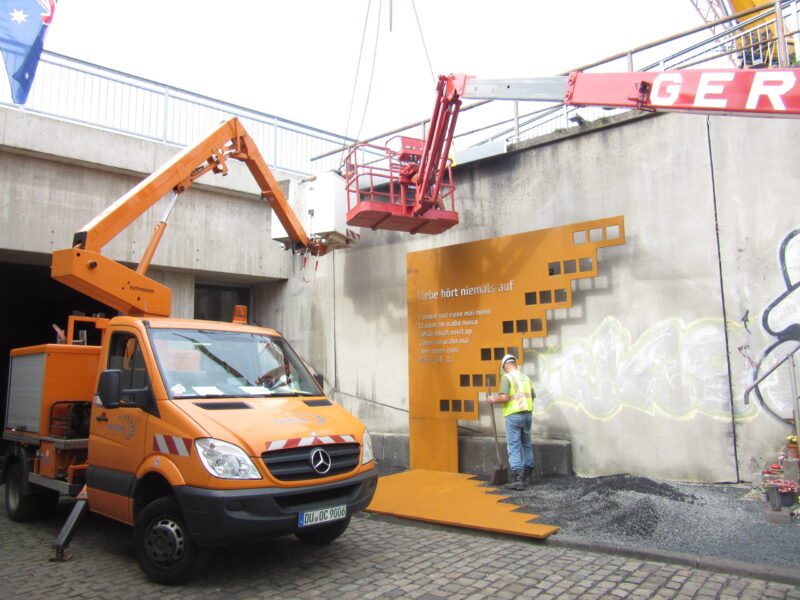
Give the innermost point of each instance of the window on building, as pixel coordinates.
(216, 302)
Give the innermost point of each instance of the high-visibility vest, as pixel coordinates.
(520, 397)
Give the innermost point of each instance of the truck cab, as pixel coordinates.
(200, 434)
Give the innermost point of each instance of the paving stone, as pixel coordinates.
(374, 559)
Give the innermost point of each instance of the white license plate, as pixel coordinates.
(323, 515)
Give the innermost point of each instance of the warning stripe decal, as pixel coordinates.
(170, 444)
(310, 441)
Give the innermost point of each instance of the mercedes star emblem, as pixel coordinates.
(320, 461)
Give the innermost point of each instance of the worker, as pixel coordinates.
(516, 394)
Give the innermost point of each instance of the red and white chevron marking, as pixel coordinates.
(310, 441)
(170, 444)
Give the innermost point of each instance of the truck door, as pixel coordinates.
(116, 437)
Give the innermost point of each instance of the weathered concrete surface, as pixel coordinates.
(57, 176)
(646, 373)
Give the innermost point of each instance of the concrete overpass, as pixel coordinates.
(668, 335)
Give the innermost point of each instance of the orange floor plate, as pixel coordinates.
(453, 499)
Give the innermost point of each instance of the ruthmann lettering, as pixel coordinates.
(136, 288)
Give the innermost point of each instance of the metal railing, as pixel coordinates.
(792, 382)
(85, 93)
(749, 39)
(81, 92)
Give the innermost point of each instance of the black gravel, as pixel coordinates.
(709, 520)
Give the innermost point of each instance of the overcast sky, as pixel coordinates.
(297, 59)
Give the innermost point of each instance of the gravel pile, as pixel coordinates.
(719, 520)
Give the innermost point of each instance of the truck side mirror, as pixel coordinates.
(108, 388)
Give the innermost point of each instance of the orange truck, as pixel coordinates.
(197, 434)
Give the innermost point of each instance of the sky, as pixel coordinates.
(299, 59)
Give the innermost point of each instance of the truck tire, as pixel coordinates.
(324, 534)
(19, 505)
(164, 550)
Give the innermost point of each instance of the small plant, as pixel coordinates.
(791, 439)
(785, 486)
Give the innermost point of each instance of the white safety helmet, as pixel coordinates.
(507, 358)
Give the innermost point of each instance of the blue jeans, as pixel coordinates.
(518, 440)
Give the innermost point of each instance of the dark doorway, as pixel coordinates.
(216, 302)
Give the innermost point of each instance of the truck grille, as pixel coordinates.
(294, 464)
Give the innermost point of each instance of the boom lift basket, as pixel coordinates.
(382, 191)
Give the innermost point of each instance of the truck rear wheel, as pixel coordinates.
(163, 548)
(19, 505)
(324, 534)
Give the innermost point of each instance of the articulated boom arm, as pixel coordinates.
(436, 150)
(85, 269)
(744, 92)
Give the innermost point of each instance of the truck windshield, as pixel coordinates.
(204, 363)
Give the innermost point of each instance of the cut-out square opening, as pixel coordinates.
(578, 237)
(596, 235)
(444, 405)
(477, 380)
(546, 296)
(491, 380)
(554, 268)
(570, 266)
(530, 298)
(469, 405)
(536, 325)
(463, 380)
(612, 232)
(522, 326)
(456, 405)
(508, 326)
(486, 354)
(498, 353)
(561, 295)
(586, 264)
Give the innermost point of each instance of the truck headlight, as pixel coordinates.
(225, 460)
(366, 448)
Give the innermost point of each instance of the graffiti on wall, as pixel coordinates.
(781, 319)
(673, 369)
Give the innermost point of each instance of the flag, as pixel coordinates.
(23, 25)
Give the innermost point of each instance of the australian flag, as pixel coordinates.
(23, 25)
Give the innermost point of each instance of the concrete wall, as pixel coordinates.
(57, 176)
(645, 374)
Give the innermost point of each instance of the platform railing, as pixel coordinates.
(81, 92)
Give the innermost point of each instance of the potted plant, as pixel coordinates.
(782, 492)
(791, 447)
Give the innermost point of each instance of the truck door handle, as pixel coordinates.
(101, 418)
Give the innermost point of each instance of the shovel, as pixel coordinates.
(500, 473)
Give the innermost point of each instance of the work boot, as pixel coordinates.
(518, 483)
(528, 475)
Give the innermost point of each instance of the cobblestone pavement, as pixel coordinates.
(376, 558)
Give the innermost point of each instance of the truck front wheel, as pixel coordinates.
(19, 505)
(164, 549)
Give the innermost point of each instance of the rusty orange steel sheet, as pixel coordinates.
(452, 499)
(469, 304)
